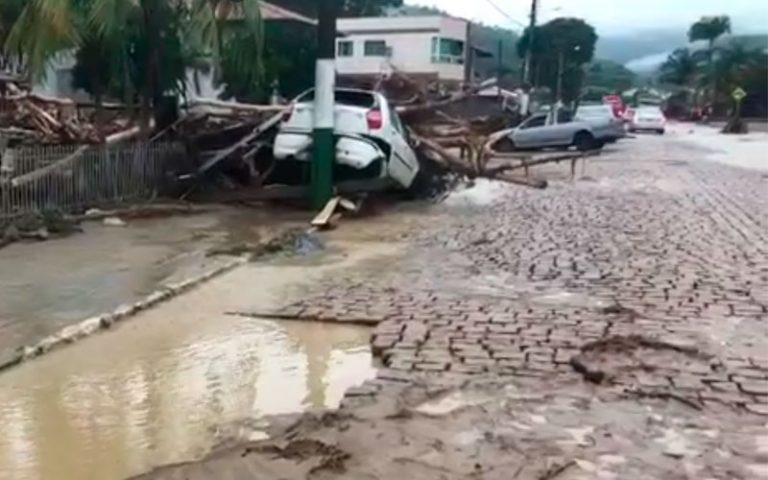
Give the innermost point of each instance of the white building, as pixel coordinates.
(431, 46)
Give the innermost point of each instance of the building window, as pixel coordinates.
(446, 50)
(345, 48)
(376, 48)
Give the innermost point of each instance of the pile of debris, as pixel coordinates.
(37, 119)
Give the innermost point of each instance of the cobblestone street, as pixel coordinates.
(621, 318)
(611, 326)
(654, 242)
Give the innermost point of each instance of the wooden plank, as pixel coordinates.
(323, 219)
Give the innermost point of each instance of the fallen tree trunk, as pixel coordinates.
(405, 110)
(226, 152)
(528, 182)
(234, 106)
(67, 161)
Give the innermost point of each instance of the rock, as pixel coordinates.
(11, 233)
(114, 222)
(93, 212)
(41, 234)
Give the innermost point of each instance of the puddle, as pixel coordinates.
(101, 414)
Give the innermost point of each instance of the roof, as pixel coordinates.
(270, 11)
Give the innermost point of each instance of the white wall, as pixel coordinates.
(410, 39)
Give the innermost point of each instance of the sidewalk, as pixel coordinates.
(47, 286)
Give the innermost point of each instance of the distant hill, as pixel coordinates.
(635, 45)
(644, 51)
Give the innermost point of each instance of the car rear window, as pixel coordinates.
(352, 98)
(594, 112)
(650, 114)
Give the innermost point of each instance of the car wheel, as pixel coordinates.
(506, 144)
(584, 141)
(660, 132)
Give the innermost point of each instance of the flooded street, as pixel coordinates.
(172, 383)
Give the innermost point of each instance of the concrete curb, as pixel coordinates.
(89, 326)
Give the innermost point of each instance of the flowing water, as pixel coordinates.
(169, 385)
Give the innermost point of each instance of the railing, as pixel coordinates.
(34, 179)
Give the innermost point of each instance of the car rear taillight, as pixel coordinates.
(287, 114)
(375, 119)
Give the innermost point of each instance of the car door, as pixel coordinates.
(532, 132)
(561, 132)
(403, 164)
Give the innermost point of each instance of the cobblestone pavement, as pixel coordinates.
(650, 274)
(611, 327)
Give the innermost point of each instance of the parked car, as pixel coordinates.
(648, 119)
(604, 121)
(616, 103)
(371, 141)
(559, 128)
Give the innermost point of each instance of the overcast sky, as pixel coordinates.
(612, 16)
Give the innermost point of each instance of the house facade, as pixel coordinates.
(431, 46)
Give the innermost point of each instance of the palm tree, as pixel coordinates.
(144, 45)
(710, 29)
(680, 68)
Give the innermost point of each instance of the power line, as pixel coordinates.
(505, 14)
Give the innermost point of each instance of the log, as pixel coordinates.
(456, 97)
(235, 106)
(451, 161)
(67, 161)
(555, 159)
(517, 180)
(226, 152)
(35, 175)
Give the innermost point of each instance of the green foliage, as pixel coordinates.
(570, 38)
(138, 49)
(609, 75)
(289, 60)
(709, 28)
(720, 68)
(347, 8)
(682, 68)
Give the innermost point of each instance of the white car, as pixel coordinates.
(370, 138)
(649, 119)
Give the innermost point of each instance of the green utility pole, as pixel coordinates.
(324, 149)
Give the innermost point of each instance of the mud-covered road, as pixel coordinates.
(609, 327)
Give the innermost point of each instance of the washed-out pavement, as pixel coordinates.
(610, 327)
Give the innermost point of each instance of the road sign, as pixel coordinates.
(738, 94)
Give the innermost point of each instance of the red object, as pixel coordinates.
(375, 120)
(287, 114)
(616, 103)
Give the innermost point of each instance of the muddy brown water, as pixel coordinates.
(177, 380)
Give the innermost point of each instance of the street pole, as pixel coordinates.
(560, 68)
(324, 150)
(529, 52)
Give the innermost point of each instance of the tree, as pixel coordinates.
(9, 13)
(347, 8)
(132, 48)
(609, 75)
(560, 48)
(710, 29)
(681, 68)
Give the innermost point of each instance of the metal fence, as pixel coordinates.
(34, 179)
